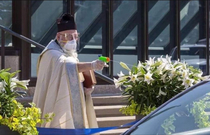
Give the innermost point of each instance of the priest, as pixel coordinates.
(59, 88)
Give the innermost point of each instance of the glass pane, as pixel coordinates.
(158, 47)
(159, 33)
(125, 47)
(42, 21)
(125, 52)
(188, 12)
(157, 12)
(192, 53)
(86, 12)
(34, 58)
(6, 19)
(94, 44)
(124, 11)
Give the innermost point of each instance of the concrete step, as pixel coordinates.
(98, 99)
(114, 121)
(104, 89)
(114, 131)
(24, 101)
(114, 99)
(107, 111)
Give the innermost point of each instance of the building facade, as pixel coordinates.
(124, 30)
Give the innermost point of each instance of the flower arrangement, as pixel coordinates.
(12, 113)
(149, 84)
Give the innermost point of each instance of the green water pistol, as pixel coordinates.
(104, 59)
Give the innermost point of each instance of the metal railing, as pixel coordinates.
(4, 29)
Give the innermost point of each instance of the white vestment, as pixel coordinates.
(59, 90)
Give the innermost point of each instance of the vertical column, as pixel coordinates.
(2, 49)
(175, 25)
(21, 23)
(142, 19)
(177, 31)
(202, 18)
(206, 4)
(71, 4)
(107, 34)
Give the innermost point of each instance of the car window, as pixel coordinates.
(189, 112)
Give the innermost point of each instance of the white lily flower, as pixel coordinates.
(14, 79)
(23, 83)
(168, 58)
(160, 69)
(172, 73)
(151, 61)
(205, 77)
(139, 65)
(121, 74)
(13, 85)
(129, 86)
(199, 74)
(161, 93)
(129, 72)
(188, 82)
(148, 77)
(163, 77)
(177, 64)
(168, 67)
(160, 59)
(164, 60)
(2, 86)
(134, 78)
(116, 82)
(147, 67)
(185, 73)
(184, 65)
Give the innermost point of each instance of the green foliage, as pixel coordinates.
(7, 105)
(12, 113)
(168, 125)
(24, 120)
(199, 114)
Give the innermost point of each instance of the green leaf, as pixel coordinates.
(14, 73)
(5, 76)
(142, 70)
(5, 70)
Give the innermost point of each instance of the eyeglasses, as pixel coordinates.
(69, 37)
(65, 37)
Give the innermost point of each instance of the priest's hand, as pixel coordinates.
(98, 65)
(88, 91)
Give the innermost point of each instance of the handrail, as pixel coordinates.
(101, 76)
(22, 37)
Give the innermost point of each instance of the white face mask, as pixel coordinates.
(71, 45)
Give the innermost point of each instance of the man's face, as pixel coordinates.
(68, 35)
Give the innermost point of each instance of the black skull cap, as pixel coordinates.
(66, 22)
